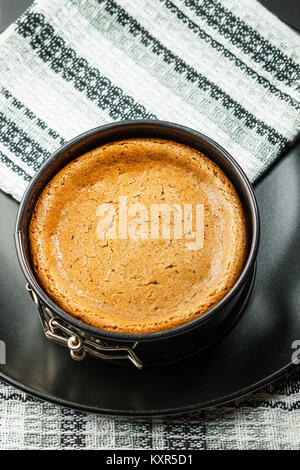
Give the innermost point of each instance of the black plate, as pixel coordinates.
(254, 353)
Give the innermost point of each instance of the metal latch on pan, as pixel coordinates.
(79, 346)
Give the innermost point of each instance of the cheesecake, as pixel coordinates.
(138, 236)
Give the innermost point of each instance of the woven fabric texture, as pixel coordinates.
(269, 419)
(227, 68)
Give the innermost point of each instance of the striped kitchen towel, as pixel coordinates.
(227, 68)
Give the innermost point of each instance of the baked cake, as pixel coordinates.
(131, 279)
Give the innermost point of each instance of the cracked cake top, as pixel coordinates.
(138, 236)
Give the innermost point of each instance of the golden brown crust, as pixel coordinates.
(136, 286)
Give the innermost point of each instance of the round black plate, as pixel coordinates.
(255, 351)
